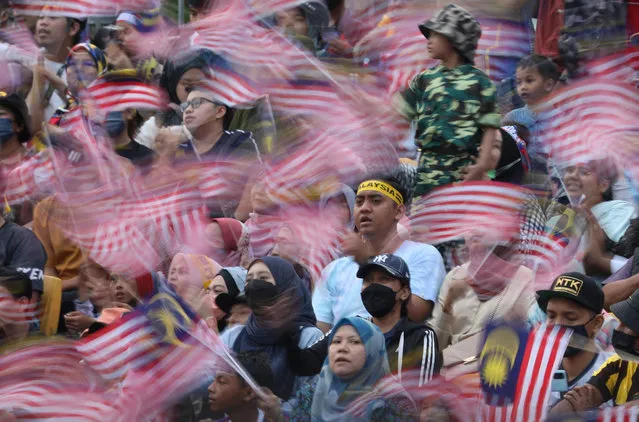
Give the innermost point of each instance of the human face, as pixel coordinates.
(292, 21)
(531, 86)
(339, 204)
(195, 14)
(179, 276)
(124, 289)
(127, 37)
(439, 46)
(215, 287)
(376, 214)
(192, 78)
(97, 282)
(196, 117)
(346, 353)
(227, 392)
(5, 113)
(51, 32)
(238, 315)
(81, 71)
(259, 271)
(385, 279)
(582, 180)
(566, 312)
(285, 245)
(213, 234)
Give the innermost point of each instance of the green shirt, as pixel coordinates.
(450, 106)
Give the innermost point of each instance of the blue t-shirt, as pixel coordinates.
(338, 295)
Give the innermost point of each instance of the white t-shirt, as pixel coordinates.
(55, 102)
(583, 379)
(338, 294)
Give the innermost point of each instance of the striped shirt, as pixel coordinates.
(617, 380)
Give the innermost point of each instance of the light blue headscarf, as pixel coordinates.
(333, 395)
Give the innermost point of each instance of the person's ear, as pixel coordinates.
(549, 84)
(404, 293)
(597, 323)
(400, 211)
(604, 185)
(221, 112)
(74, 28)
(249, 395)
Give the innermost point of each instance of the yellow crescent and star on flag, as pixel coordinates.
(169, 318)
(498, 356)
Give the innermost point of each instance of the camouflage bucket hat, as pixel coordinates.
(459, 26)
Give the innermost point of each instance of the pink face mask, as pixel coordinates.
(488, 273)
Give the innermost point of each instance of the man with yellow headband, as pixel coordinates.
(379, 206)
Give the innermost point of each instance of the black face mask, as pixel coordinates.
(259, 293)
(624, 345)
(379, 300)
(579, 340)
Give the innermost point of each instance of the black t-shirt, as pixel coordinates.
(20, 248)
(137, 153)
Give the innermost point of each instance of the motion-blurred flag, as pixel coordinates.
(145, 340)
(121, 91)
(79, 9)
(453, 211)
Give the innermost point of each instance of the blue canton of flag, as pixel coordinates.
(500, 361)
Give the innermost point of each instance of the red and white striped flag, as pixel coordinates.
(619, 414)
(79, 9)
(107, 96)
(620, 67)
(231, 88)
(454, 211)
(582, 122)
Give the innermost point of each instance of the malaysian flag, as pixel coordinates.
(121, 91)
(583, 121)
(454, 211)
(545, 347)
(161, 336)
(79, 9)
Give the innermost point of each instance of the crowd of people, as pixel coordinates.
(331, 296)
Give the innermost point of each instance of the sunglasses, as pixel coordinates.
(196, 102)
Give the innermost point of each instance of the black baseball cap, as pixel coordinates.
(225, 301)
(574, 286)
(392, 264)
(628, 311)
(17, 106)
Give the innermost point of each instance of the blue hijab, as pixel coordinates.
(255, 336)
(333, 395)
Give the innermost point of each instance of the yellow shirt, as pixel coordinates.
(617, 379)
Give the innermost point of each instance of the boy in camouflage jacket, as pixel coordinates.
(453, 104)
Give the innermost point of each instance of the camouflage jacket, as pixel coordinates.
(450, 106)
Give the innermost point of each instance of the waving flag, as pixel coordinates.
(579, 123)
(79, 9)
(122, 93)
(544, 349)
(454, 211)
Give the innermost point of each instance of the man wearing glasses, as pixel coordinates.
(207, 122)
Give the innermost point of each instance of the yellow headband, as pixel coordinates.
(383, 188)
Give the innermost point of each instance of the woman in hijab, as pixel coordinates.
(189, 274)
(279, 301)
(229, 284)
(84, 64)
(225, 236)
(345, 389)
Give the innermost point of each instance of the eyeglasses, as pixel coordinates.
(195, 103)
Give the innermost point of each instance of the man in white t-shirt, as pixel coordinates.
(379, 206)
(56, 35)
(576, 301)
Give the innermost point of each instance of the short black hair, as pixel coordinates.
(16, 281)
(77, 38)
(258, 367)
(334, 4)
(545, 66)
